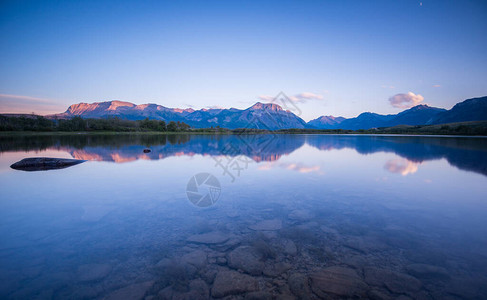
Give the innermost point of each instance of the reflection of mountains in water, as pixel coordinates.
(464, 153)
(124, 148)
(257, 147)
(468, 154)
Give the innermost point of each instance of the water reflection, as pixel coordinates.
(311, 217)
(464, 153)
(299, 167)
(401, 166)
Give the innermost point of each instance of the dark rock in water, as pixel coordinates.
(93, 272)
(299, 285)
(233, 283)
(376, 294)
(134, 291)
(267, 225)
(197, 289)
(209, 276)
(44, 163)
(340, 281)
(196, 258)
(394, 281)
(147, 150)
(427, 271)
(274, 270)
(260, 295)
(247, 259)
(300, 215)
(289, 247)
(214, 237)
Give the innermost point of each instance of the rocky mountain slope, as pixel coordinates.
(272, 116)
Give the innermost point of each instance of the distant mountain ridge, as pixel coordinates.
(272, 116)
(324, 121)
(474, 109)
(417, 115)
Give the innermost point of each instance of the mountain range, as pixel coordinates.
(272, 116)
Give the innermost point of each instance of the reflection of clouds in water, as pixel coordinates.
(401, 166)
(300, 167)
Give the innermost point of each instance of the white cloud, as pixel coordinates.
(27, 104)
(21, 98)
(436, 85)
(406, 100)
(309, 96)
(306, 96)
(266, 98)
(299, 98)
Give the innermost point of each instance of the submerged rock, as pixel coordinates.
(267, 225)
(214, 237)
(247, 259)
(376, 294)
(260, 295)
(221, 261)
(340, 281)
(196, 258)
(427, 271)
(274, 270)
(301, 215)
(394, 281)
(44, 163)
(233, 283)
(134, 291)
(197, 289)
(289, 247)
(93, 272)
(299, 286)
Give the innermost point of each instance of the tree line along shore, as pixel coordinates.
(32, 123)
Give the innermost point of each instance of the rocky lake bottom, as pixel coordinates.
(303, 254)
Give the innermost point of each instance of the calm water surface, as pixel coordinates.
(295, 217)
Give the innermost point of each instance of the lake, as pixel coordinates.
(245, 217)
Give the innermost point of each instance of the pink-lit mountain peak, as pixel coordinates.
(148, 106)
(267, 106)
(181, 110)
(80, 108)
(114, 105)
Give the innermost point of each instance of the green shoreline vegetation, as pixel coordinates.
(35, 125)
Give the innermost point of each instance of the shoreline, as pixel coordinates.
(306, 132)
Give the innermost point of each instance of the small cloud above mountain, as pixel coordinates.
(299, 98)
(266, 97)
(406, 100)
(215, 107)
(308, 96)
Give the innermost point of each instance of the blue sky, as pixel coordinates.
(342, 57)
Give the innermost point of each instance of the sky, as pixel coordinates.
(336, 58)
